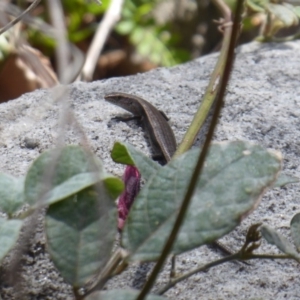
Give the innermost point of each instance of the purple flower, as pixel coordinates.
(132, 180)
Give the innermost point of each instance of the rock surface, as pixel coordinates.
(262, 105)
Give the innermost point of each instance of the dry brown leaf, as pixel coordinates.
(25, 70)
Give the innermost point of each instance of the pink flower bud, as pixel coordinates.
(132, 180)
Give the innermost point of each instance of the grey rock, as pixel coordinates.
(262, 105)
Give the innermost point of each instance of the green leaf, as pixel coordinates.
(125, 27)
(114, 186)
(154, 41)
(11, 194)
(144, 9)
(96, 7)
(283, 180)
(275, 238)
(137, 35)
(79, 182)
(234, 177)
(70, 187)
(9, 233)
(6, 47)
(57, 174)
(80, 35)
(154, 45)
(126, 154)
(258, 5)
(121, 295)
(120, 154)
(80, 233)
(297, 11)
(129, 10)
(295, 230)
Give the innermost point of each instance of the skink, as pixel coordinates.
(161, 135)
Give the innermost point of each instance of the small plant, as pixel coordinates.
(81, 218)
(68, 181)
(155, 41)
(81, 221)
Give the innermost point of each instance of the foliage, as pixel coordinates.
(278, 15)
(156, 41)
(81, 216)
(81, 22)
(152, 40)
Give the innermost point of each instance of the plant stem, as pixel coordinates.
(191, 188)
(117, 257)
(216, 263)
(212, 89)
(269, 256)
(197, 270)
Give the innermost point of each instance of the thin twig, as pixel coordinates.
(69, 59)
(269, 256)
(21, 16)
(110, 18)
(106, 272)
(230, 258)
(62, 51)
(220, 261)
(27, 19)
